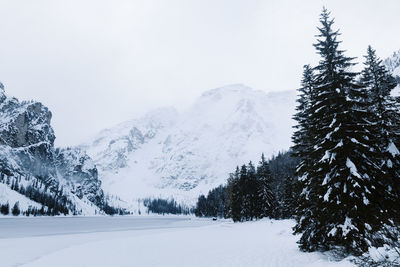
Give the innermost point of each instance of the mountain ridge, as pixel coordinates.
(32, 170)
(174, 154)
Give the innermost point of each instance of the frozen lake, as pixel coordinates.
(151, 241)
(12, 227)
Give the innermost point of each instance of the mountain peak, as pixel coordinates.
(231, 88)
(393, 63)
(165, 153)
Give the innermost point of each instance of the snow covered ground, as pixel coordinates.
(151, 241)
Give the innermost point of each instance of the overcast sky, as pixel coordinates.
(97, 63)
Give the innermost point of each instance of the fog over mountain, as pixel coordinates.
(182, 154)
(96, 63)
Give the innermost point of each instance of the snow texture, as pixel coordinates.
(352, 167)
(392, 149)
(163, 241)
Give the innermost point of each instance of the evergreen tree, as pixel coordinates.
(290, 197)
(5, 209)
(16, 185)
(302, 137)
(217, 199)
(201, 206)
(338, 207)
(379, 83)
(250, 193)
(15, 210)
(235, 196)
(283, 168)
(265, 199)
(241, 191)
(42, 212)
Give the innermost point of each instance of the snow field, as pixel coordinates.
(184, 243)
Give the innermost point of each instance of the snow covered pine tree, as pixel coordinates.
(379, 83)
(265, 202)
(343, 202)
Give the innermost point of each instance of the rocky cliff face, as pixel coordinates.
(110, 149)
(26, 137)
(393, 65)
(80, 174)
(27, 150)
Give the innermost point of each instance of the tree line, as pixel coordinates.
(54, 200)
(165, 206)
(268, 190)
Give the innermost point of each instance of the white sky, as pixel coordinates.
(97, 63)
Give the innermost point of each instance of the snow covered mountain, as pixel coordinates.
(393, 64)
(36, 174)
(167, 153)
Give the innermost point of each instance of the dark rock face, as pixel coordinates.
(27, 149)
(24, 124)
(393, 65)
(81, 173)
(37, 159)
(26, 137)
(2, 93)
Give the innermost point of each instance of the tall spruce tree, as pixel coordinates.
(251, 192)
(339, 207)
(264, 198)
(234, 196)
(243, 191)
(379, 83)
(290, 197)
(302, 137)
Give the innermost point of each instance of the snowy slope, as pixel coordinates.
(182, 155)
(11, 197)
